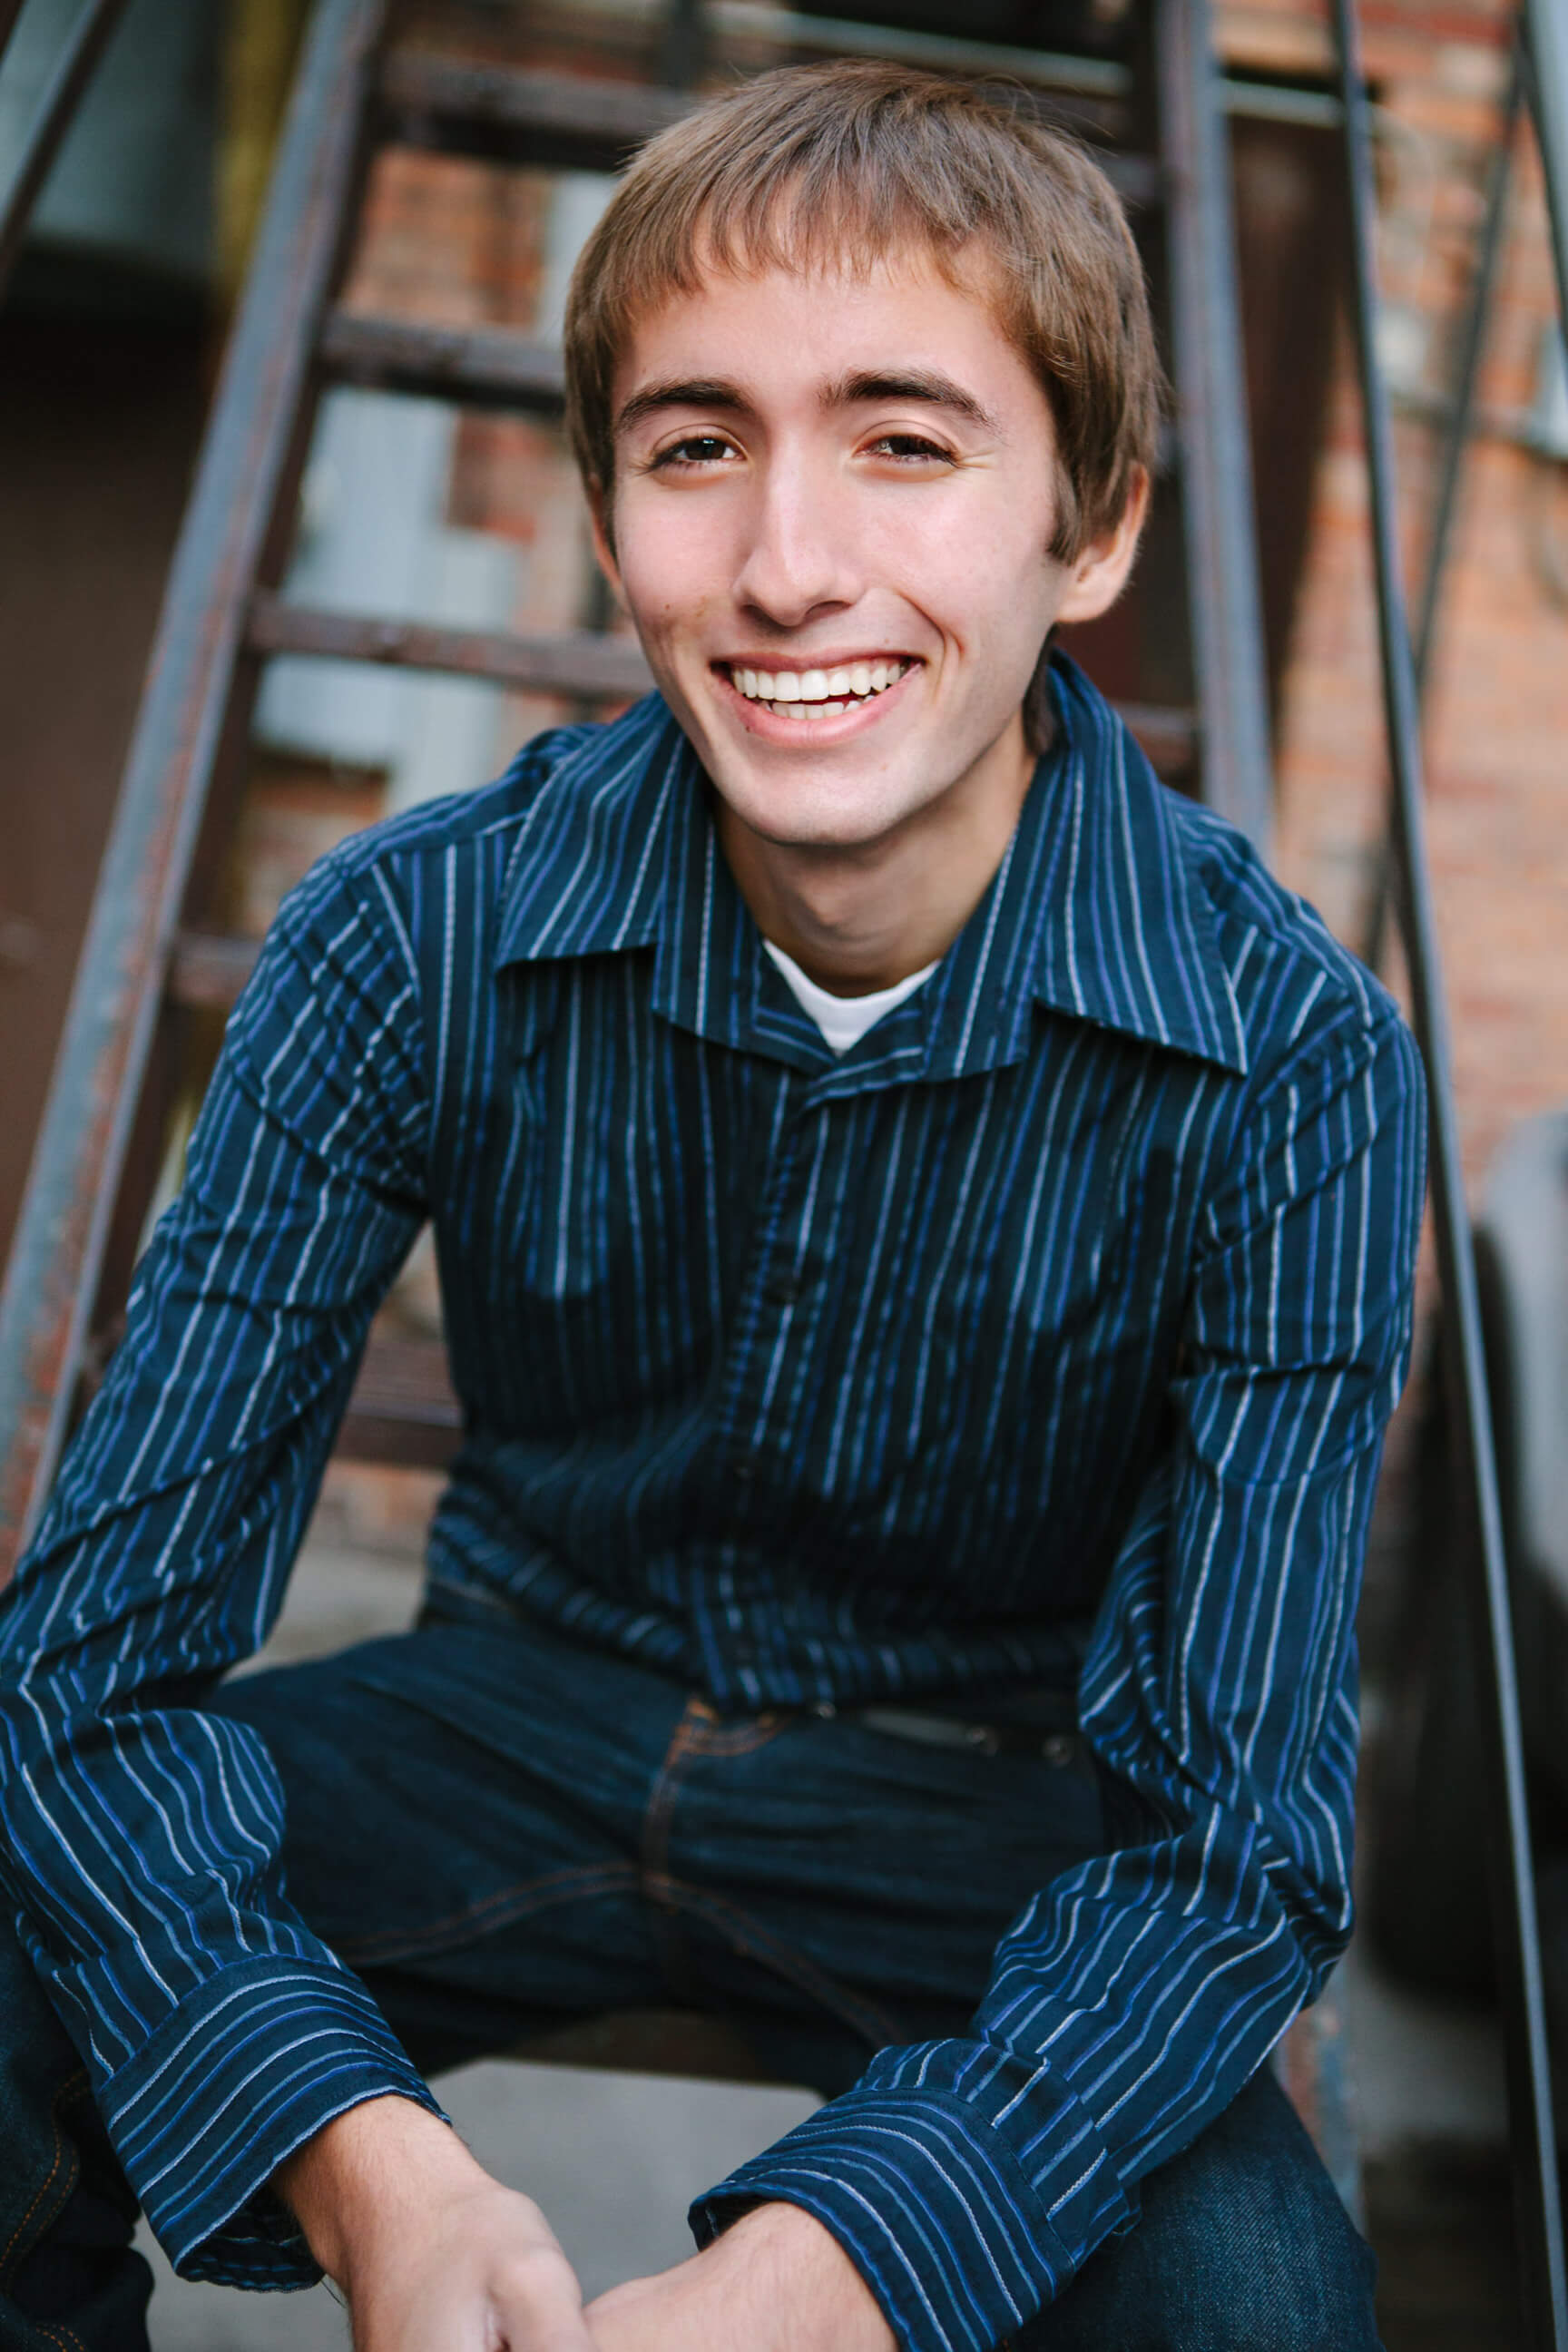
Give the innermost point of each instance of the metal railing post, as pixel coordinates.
(1456, 441)
(1224, 599)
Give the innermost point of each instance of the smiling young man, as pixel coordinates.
(926, 1226)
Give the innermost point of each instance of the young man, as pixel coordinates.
(927, 1228)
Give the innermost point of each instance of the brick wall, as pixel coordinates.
(1498, 703)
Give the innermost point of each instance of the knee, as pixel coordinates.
(1242, 2246)
(1281, 2273)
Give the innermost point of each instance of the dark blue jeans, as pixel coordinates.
(501, 1831)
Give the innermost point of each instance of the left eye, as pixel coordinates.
(909, 447)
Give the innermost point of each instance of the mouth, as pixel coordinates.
(810, 696)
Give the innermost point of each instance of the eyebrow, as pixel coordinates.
(928, 387)
(678, 392)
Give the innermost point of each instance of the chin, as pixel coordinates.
(814, 828)
(812, 813)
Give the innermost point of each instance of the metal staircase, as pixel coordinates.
(156, 951)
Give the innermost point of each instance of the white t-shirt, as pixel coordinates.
(844, 1020)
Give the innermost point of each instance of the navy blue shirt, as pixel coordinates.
(1075, 1295)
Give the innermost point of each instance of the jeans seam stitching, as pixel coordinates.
(66, 2090)
(864, 2017)
(685, 1743)
(744, 1739)
(498, 1910)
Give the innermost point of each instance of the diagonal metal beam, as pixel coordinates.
(1532, 2139)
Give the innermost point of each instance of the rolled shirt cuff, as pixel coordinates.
(235, 2078)
(933, 2205)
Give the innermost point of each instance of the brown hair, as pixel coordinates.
(811, 163)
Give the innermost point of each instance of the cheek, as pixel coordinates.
(673, 563)
(979, 570)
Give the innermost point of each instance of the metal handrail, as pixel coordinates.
(1457, 427)
(56, 110)
(1546, 52)
(1466, 376)
(57, 1253)
(1532, 2139)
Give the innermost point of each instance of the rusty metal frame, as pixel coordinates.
(63, 1227)
(1225, 603)
(1532, 2135)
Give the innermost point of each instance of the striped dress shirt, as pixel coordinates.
(1069, 1304)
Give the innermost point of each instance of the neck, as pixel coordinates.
(865, 916)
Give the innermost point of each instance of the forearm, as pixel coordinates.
(367, 2173)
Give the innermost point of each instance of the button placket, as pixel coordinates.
(773, 1287)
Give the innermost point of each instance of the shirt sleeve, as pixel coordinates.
(1134, 1996)
(142, 1834)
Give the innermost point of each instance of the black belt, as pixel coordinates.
(1013, 1737)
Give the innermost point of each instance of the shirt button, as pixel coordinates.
(743, 1469)
(1060, 1748)
(786, 1288)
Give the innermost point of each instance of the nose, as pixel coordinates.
(799, 561)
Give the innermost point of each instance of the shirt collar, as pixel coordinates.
(1096, 910)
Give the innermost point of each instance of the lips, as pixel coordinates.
(812, 694)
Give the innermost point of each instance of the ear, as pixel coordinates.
(604, 544)
(1095, 578)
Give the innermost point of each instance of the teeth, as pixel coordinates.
(816, 692)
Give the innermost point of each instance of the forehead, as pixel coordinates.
(785, 327)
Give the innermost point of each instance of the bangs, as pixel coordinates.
(850, 166)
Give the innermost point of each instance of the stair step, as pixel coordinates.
(512, 115)
(577, 662)
(403, 1408)
(1166, 733)
(485, 367)
(207, 970)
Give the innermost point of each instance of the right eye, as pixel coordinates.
(693, 449)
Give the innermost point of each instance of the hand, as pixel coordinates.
(432, 2254)
(776, 2281)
